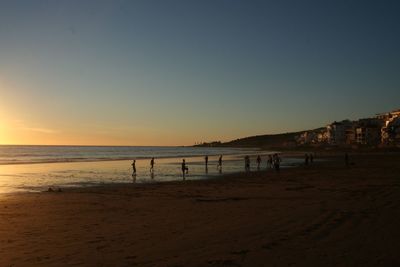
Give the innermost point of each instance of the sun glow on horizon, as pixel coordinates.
(16, 132)
(2, 135)
(6, 135)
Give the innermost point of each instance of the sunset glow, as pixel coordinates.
(138, 73)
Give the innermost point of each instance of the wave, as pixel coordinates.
(43, 154)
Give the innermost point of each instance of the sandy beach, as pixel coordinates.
(320, 215)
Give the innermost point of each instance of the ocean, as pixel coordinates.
(36, 168)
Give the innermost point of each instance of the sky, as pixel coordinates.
(168, 72)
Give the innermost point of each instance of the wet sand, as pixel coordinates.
(320, 215)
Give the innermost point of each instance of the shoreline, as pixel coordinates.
(41, 177)
(206, 177)
(221, 178)
(78, 160)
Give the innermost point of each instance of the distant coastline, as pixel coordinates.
(381, 132)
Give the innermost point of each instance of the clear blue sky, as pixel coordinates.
(176, 72)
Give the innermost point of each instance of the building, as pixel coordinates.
(368, 131)
(368, 136)
(350, 136)
(336, 132)
(390, 131)
(382, 129)
(312, 137)
(307, 138)
(323, 137)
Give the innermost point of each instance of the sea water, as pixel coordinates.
(36, 168)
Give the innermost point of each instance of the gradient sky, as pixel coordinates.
(177, 72)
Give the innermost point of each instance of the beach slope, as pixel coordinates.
(321, 215)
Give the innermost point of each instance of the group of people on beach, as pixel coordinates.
(184, 167)
(308, 159)
(273, 162)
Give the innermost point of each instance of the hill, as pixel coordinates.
(283, 140)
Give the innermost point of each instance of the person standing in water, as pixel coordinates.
(269, 162)
(206, 163)
(258, 162)
(247, 163)
(220, 164)
(277, 162)
(133, 167)
(152, 165)
(185, 169)
(306, 158)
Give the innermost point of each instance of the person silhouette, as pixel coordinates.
(247, 163)
(258, 162)
(270, 162)
(185, 169)
(277, 162)
(133, 167)
(306, 158)
(206, 162)
(152, 165)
